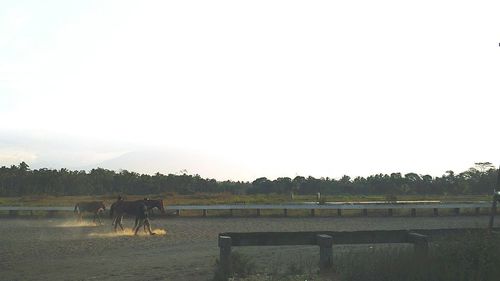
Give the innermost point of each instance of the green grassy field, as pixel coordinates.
(221, 198)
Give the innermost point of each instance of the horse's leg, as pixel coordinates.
(115, 223)
(136, 222)
(139, 226)
(114, 220)
(97, 219)
(146, 226)
(146, 223)
(120, 222)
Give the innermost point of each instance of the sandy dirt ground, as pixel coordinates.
(184, 249)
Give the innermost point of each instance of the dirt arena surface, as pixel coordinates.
(184, 249)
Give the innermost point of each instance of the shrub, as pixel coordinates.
(391, 198)
(460, 258)
(240, 265)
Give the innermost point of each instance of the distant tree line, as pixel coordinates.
(20, 180)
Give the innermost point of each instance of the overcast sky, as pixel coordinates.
(242, 89)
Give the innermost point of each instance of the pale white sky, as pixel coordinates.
(242, 89)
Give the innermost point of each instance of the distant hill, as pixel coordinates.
(173, 162)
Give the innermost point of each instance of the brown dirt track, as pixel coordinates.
(58, 249)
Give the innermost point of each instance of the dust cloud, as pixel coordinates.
(74, 223)
(127, 232)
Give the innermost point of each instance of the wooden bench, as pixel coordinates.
(324, 239)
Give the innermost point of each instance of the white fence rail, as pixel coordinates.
(334, 206)
(339, 206)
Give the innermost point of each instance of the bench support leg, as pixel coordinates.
(420, 243)
(225, 256)
(325, 243)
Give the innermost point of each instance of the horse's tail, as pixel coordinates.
(162, 208)
(77, 208)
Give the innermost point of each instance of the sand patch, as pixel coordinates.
(74, 223)
(128, 232)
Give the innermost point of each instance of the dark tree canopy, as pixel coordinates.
(20, 180)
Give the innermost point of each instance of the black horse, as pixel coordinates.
(142, 219)
(138, 208)
(150, 205)
(95, 207)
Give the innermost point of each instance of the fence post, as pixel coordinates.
(496, 198)
(456, 211)
(339, 212)
(225, 255)
(258, 212)
(389, 212)
(325, 243)
(365, 212)
(493, 210)
(413, 212)
(436, 212)
(204, 212)
(313, 213)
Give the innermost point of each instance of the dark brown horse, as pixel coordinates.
(150, 205)
(133, 208)
(95, 207)
(143, 219)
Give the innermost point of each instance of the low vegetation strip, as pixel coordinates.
(472, 256)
